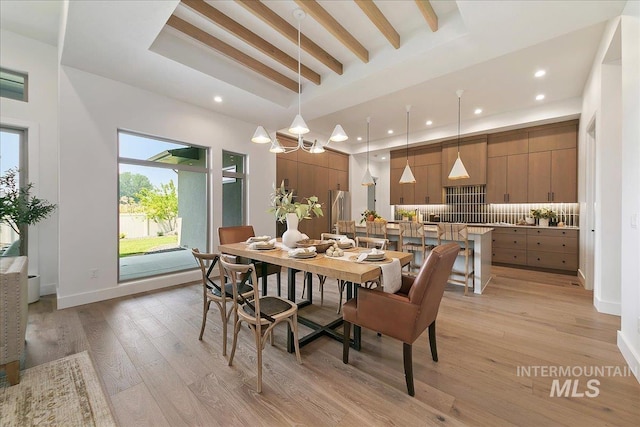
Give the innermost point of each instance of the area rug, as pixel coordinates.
(65, 392)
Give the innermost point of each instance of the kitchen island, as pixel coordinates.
(479, 240)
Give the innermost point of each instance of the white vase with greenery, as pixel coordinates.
(286, 209)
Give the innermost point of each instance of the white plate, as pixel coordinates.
(264, 247)
(304, 255)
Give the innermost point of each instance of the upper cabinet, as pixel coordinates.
(473, 153)
(552, 166)
(507, 165)
(425, 163)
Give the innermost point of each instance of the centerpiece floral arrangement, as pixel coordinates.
(282, 203)
(543, 213)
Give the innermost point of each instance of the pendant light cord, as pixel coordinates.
(299, 72)
(368, 143)
(407, 135)
(459, 97)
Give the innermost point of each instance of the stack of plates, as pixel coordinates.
(264, 245)
(304, 255)
(378, 256)
(259, 239)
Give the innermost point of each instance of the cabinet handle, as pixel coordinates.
(553, 196)
(515, 241)
(539, 244)
(563, 261)
(338, 186)
(548, 197)
(538, 259)
(563, 245)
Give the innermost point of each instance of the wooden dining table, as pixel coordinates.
(351, 272)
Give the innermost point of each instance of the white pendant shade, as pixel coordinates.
(316, 148)
(298, 126)
(367, 180)
(338, 134)
(276, 147)
(458, 171)
(407, 176)
(261, 136)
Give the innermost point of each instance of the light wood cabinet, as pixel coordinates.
(507, 165)
(400, 194)
(428, 186)
(552, 176)
(287, 172)
(473, 153)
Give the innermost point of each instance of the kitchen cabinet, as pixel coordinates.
(287, 172)
(428, 186)
(473, 152)
(507, 165)
(509, 246)
(400, 194)
(552, 176)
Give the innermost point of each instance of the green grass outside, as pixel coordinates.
(141, 245)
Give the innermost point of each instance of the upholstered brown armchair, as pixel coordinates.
(242, 233)
(407, 313)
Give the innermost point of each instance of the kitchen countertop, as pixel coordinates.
(501, 225)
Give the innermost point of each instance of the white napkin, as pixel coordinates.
(373, 251)
(297, 251)
(345, 240)
(391, 276)
(255, 245)
(257, 239)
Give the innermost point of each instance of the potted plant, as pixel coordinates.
(406, 214)
(19, 209)
(370, 215)
(286, 209)
(543, 215)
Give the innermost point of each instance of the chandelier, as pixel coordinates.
(298, 126)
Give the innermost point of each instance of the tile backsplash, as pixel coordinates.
(466, 204)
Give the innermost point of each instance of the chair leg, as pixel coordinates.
(322, 279)
(296, 345)
(346, 336)
(432, 341)
(408, 367)
(279, 285)
(259, 358)
(205, 310)
(466, 271)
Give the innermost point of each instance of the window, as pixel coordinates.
(233, 197)
(162, 201)
(12, 156)
(13, 85)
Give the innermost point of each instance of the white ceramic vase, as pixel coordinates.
(292, 235)
(543, 222)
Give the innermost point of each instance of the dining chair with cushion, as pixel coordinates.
(405, 314)
(414, 231)
(242, 233)
(458, 233)
(218, 294)
(261, 314)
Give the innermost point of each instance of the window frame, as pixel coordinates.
(25, 86)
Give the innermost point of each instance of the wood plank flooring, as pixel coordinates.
(156, 372)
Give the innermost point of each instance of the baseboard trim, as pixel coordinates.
(630, 356)
(129, 288)
(607, 307)
(49, 289)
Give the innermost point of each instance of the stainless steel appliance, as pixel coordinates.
(340, 206)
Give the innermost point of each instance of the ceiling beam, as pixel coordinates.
(330, 24)
(231, 52)
(289, 31)
(219, 18)
(379, 20)
(428, 13)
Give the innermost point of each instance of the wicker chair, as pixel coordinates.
(458, 233)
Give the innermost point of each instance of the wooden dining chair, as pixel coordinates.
(347, 228)
(219, 294)
(459, 233)
(415, 231)
(261, 314)
(379, 230)
(322, 279)
(405, 314)
(242, 233)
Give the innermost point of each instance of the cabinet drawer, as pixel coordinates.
(558, 232)
(553, 260)
(509, 241)
(509, 256)
(510, 230)
(552, 244)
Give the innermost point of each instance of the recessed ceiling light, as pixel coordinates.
(383, 158)
(217, 98)
(359, 138)
(540, 73)
(478, 110)
(429, 122)
(539, 97)
(390, 131)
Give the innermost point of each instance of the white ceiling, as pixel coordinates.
(488, 48)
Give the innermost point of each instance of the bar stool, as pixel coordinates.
(414, 230)
(458, 233)
(348, 228)
(379, 230)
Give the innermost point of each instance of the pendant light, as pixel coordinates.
(298, 126)
(367, 180)
(458, 171)
(407, 176)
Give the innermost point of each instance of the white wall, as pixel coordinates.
(629, 335)
(92, 109)
(40, 117)
(379, 170)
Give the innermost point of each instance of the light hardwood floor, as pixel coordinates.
(156, 372)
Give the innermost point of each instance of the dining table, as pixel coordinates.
(346, 268)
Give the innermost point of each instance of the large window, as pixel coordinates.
(233, 193)
(12, 156)
(163, 201)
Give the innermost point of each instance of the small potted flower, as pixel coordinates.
(543, 215)
(406, 214)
